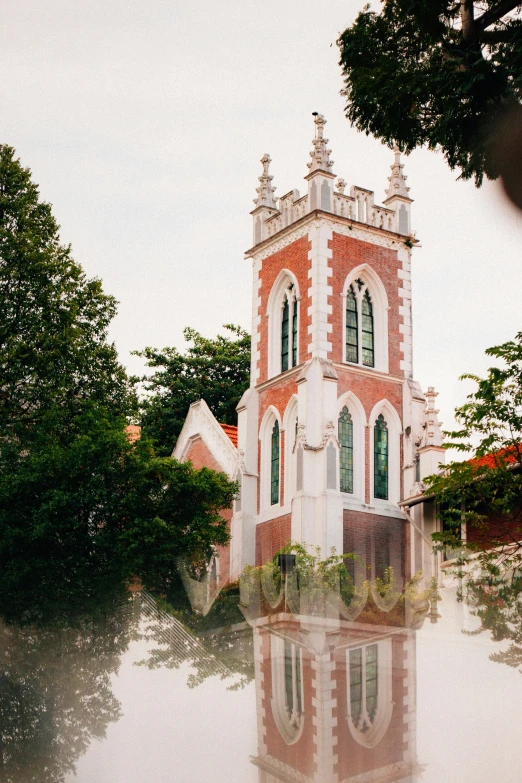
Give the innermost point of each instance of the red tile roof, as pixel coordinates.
(231, 431)
(507, 456)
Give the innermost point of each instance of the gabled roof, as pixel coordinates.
(231, 431)
(218, 438)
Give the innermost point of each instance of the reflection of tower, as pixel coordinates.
(335, 701)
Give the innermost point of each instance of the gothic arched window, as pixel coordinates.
(274, 466)
(289, 329)
(360, 325)
(283, 324)
(346, 453)
(380, 451)
(294, 333)
(284, 335)
(368, 358)
(352, 327)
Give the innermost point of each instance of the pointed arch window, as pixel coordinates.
(345, 429)
(294, 333)
(289, 329)
(367, 331)
(284, 335)
(287, 688)
(352, 328)
(380, 450)
(274, 466)
(360, 337)
(293, 683)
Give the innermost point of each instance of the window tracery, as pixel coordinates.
(360, 338)
(345, 431)
(369, 684)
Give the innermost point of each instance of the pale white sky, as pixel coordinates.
(144, 124)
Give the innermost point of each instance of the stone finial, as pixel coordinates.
(341, 186)
(397, 180)
(320, 155)
(433, 435)
(265, 191)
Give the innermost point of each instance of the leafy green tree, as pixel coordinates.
(434, 73)
(216, 370)
(93, 509)
(54, 352)
(80, 504)
(485, 492)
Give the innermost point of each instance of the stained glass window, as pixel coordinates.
(352, 330)
(380, 450)
(346, 455)
(274, 472)
(367, 331)
(294, 334)
(284, 336)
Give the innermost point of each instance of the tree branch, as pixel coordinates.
(494, 14)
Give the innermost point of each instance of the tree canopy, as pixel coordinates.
(81, 505)
(434, 73)
(54, 352)
(216, 370)
(485, 491)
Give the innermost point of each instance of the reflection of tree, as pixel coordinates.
(219, 643)
(55, 692)
(495, 597)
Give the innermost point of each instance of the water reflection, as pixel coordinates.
(311, 675)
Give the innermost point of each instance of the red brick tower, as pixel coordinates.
(333, 432)
(330, 429)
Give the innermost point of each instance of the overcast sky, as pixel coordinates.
(144, 124)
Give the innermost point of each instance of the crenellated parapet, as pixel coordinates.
(271, 216)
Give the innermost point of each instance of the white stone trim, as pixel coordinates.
(394, 425)
(320, 256)
(255, 368)
(289, 422)
(201, 422)
(377, 291)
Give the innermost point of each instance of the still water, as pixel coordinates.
(276, 682)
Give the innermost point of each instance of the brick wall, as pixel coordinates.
(379, 541)
(271, 536)
(348, 253)
(294, 258)
(200, 457)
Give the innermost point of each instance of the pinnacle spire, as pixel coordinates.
(265, 191)
(320, 155)
(397, 180)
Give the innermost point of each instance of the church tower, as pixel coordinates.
(329, 432)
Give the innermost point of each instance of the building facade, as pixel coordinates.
(334, 432)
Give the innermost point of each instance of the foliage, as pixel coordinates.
(54, 352)
(80, 504)
(216, 370)
(55, 689)
(76, 512)
(432, 72)
(485, 492)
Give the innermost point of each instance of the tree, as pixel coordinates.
(435, 73)
(216, 370)
(54, 353)
(80, 504)
(485, 492)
